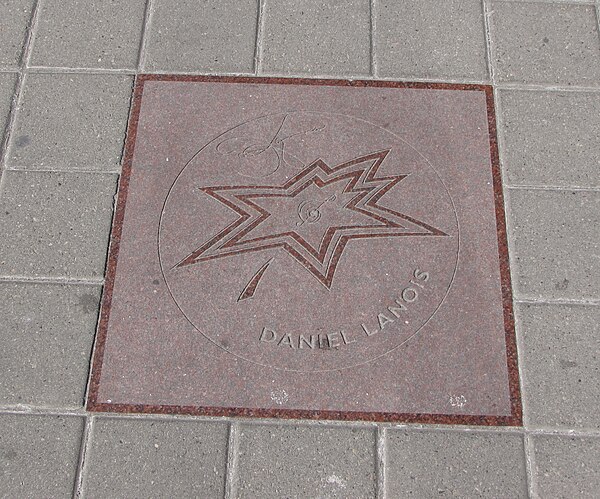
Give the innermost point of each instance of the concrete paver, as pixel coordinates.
(545, 43)
(560, 365)
(88, 34)
(46, 336)
(39, 455)
(144, 458)
(70, 122)
(553, 233)
(567, 466)
(55, 224)
(455, 463)
(15, 15)
(316, 38)
(305, 461)
(550, 138)
(215, 35)
(431, 39)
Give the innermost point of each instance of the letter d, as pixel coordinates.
(267, 335)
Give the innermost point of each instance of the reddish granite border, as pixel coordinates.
(515, 419)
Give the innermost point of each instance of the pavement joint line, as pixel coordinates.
(552, 187)
(520, 359)
(86, 439)
(558, 301)
(258, 39)
(53, 280)
(366, 425)
(372, 48)
(487, 13)
(141, 59)
(540, 87)
(18, 169)
(232, 460)
(380, 461)
(68, 70)
(529, 465)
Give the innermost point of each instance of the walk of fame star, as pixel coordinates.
(331, 206)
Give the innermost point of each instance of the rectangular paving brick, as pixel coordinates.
(39, 455)
(423, 463)
(46, 336)
(55, 224)
(430, 39)
(550, 138)
(216, 35)
(71, 121)
(560, 365)
(272, 255)
(553, 234)
(305, 461)
(567, 466)
(145, 458)
(88, 34)
(316, 38)
(15, 15)
(545, 43)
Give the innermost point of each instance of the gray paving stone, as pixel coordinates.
(15, 15)
(457, 464)
(153, 458)
(7, 87)
(551, 138)
(555, 238)
(316, 38)
(71, 121)
(545, 43)
(213, 35)
(55, 224)
(431, 39)
(306, 461)
(88, 34)
(46, 336)
(560, 365)
(38, 455)
(567, 467)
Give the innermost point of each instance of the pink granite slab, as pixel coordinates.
(309, 248)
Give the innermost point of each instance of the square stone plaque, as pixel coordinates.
(309, 248)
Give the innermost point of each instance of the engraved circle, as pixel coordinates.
(239, 290)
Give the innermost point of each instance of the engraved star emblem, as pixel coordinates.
(312, 217)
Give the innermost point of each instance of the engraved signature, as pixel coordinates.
(271, 150)
(311, 214)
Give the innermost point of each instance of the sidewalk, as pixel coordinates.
(67, 70)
